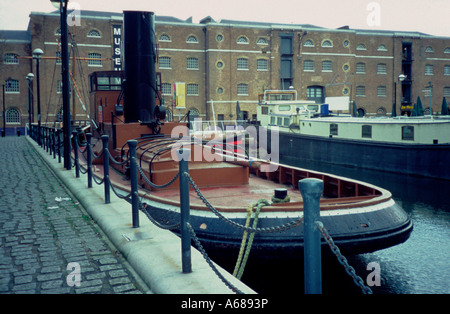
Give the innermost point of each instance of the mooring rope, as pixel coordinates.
(242, 258)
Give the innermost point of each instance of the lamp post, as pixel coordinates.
(30, 78)
(37, 53)
(62, 6)
(4, 112)
(401, 78)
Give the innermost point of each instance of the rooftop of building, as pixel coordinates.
(238, 23)
(15, 35)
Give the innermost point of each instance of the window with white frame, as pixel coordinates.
(429, 49)
(382, 48)
(381, 91)
(165, 63)
(94, 33)
(447, 70)
(59, 87)
(262, 64)
(308, 43)
(262, 41)
(12, 86)
(10, 58)
(12, 116)
(95, 59)
(308, 66)
(242, 64)
(192, 89)
(58, 57)
(192, 63)
(166, 89)
(242, 89)
(242, 40)
(192, 39)
(164, 37)
(327, 66)
(381, 68)
(327, 43)
(447, 91)
(361, 47)
(361, 91)
(360, 68)
(429, 69)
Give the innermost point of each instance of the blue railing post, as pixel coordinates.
(105, 139)
(89, 159)
(311, 190)
(134, 184)
(75, 151)
(46, 138)
(54, 142)
(184, 207)
(58, 143)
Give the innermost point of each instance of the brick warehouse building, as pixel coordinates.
(228, 61)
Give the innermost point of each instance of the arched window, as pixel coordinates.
(164, 37)
(262, 41)
(192, 39)
(94, 33)
(242, 40)
(193, 114)
(308, 43)
(327, 43)
(361, 47)
(13, 116)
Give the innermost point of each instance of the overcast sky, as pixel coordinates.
(427, 16)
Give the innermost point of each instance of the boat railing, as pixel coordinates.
(199, 125)
(310, 188)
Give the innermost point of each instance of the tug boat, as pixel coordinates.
(360, 217)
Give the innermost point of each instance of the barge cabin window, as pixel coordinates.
(333, 129)
(408, 133)
(366, 131)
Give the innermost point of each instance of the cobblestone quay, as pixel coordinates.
(48, 243)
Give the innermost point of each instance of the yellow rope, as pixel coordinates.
(242, 259)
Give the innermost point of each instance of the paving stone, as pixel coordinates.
(40, 236)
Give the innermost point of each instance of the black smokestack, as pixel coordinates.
(139, 62)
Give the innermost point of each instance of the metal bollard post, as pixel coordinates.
(311, 190)
(58, 142)
(89, 159)
(105, 139)
(54, 143)
(185, 212)
(134, 184)
(75, 151)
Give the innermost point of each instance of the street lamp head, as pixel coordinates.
(57, 3)
(37, 53)
(30, 77)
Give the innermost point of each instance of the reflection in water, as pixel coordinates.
(420, 265)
